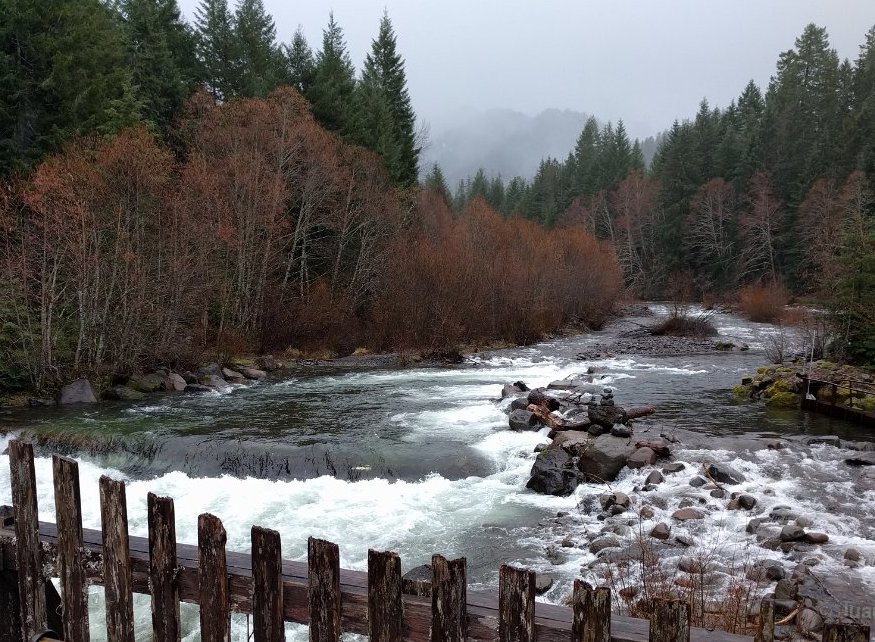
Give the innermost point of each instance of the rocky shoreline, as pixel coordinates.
(593, 441)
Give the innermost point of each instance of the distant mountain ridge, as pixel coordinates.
(505, 142)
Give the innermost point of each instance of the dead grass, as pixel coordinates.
(764, 303)
(681, 322)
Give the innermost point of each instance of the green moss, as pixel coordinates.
(783, 399)
(776, 388)
(741, 391)
(763, 370)
(868, 404)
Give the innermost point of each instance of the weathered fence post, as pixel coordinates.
(323, 578)
(670, 621)
(162, 569)
(834, 632)
(28, 552)
(215, 601)
(766, 626)
(385, 614)
(71, 567)
(592, 613)
(10, 605)
(117, 581)
(449, 595)
(516, 605)
(267, 585)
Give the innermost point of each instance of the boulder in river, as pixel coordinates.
(79, 391)
(722, 473)
(174, 382)
(214, 382)
(607, 416)
(538, 398)
(197, 388)
(152, 382)
(688, 513)
(232, 376)
(511, 390)
(521, 420)
(641, 457)
(252, 373)
(605, 458)
(553, 473)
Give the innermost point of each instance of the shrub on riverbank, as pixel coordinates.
(763, 302)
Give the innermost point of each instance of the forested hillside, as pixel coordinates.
(773, 188)
(173, 191)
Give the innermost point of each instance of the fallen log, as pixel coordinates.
(635, 413)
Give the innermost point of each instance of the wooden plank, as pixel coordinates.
(670, 621)
(117, 582)
(71, 562)
(766, 625)
(449, 600)
(213, 585)
(162, 569)
(592, 613)
(323, 590)
(28, 553)
(10, 607)
(385, 613)
(267, 585)
(835, 632)
(516, 605)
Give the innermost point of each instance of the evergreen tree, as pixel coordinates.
(217, 48)
(862, 127)
(261, 65)
(301, 65)
(63, 72)
(436, 182)
(333, 80)
(585, 159)
(384, 73)
(160, 55)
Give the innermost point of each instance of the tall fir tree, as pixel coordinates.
(217, 48)
(333, 80)
(160, 57)
(436, 181)
(300, 62)
(261, 66)
(384, 73)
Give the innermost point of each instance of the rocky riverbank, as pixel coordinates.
(653, 540)
(784, 385)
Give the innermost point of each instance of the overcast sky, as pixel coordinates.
(645, 61)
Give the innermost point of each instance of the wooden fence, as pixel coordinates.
(273, 591)
(830, 404)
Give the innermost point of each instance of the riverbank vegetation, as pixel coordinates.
(773, 189)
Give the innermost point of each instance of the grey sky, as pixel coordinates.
(645, 61)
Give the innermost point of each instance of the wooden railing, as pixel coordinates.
(274, 591)
(853, 386)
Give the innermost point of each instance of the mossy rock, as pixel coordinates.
(242, 361)
(825, 394)
(776, 388)
(741, 391)
(783, 400)
(867, 404)
(762, 370)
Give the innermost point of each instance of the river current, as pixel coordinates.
(419, 460)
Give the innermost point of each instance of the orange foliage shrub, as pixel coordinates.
(763, 302)
(480, 277)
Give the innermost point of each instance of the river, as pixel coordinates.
(419, 460)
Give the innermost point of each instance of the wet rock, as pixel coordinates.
(523, 420)
(213, 369)
(213, 381)
(189, 377)
(35, 402)
(76, 392)
(553, 473)
(621, 431)
(647, 512)
(197, 388)
(771, 570)
(606, 416)
(784, 607)
(661, 531)
(122, 393)
(641, 457)
(786, 589)
(853, 555)
(782, 514)
(615, 499)
(698, 482)
(146, 383)
(519, 404)
(718, 493)
(816, 538)
(602, 543)
(232, 376)
(674, 467)
(174, 383)
(538, 398)
(605, 458)
(723, 474)
(543, 583)
(804, 522)
(683, 540)
(753, 525)
(809, 621)
(792, 533)
(692, 566)
(252, 373)
(268, 363)
(685, 514)
(568, 543)
(684, 503)
(742, 502)
(541, 447)
(655, 477)
(828, 440)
